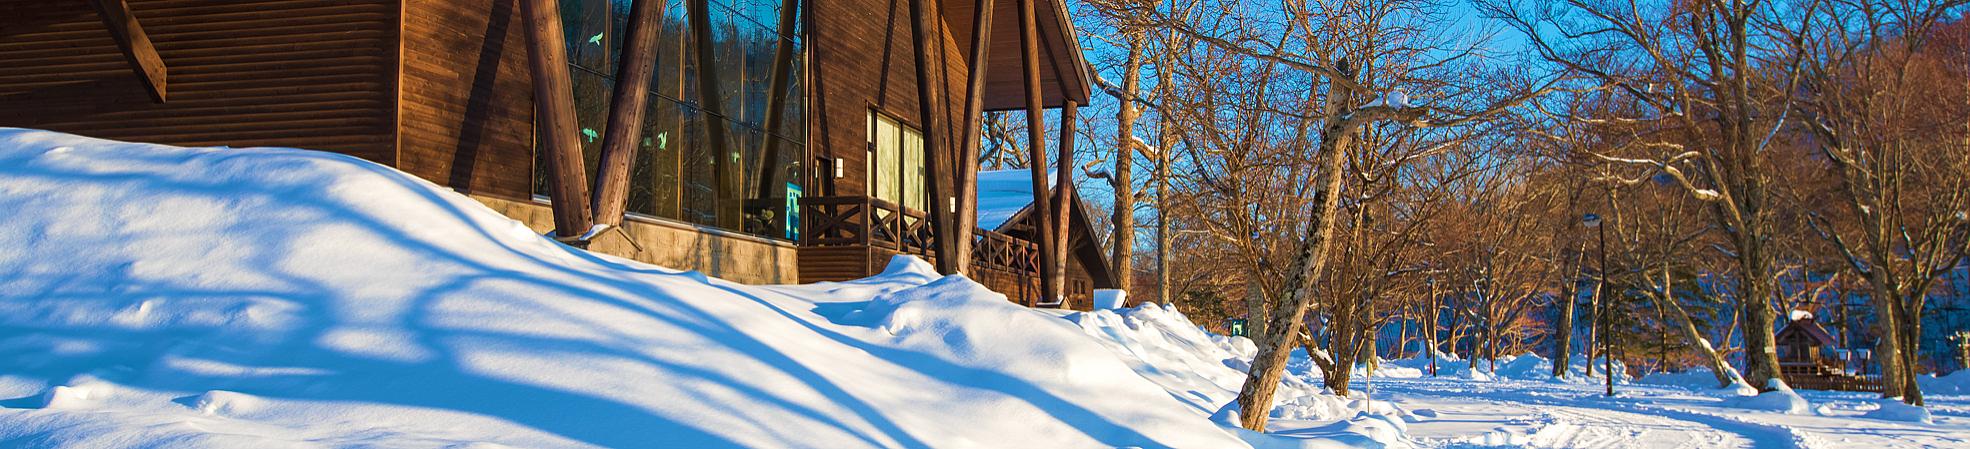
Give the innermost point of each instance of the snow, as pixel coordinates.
(1777, 398)
(160, 297)
(1957, 383)
(1003, 193)
(163, 297)
(1892, 409)
(1108, 299)
(1797, 315)
(1396, 99)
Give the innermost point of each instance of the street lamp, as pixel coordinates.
(1600, 315)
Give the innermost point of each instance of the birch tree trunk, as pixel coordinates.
(1275, 345)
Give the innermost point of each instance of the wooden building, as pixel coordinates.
(1805, 359)
(781, 140)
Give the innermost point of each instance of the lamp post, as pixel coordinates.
(1600, 309)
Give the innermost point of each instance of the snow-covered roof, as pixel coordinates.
(1003, 193)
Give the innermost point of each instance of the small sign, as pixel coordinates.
(1237, 327)
(793, 212)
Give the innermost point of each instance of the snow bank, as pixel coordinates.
(1698, 379)
(1110, 299)
(1206, 371)
(153, 296)
(1779, 398)
(1894, 410)
(1955, 383)
(1530, 367)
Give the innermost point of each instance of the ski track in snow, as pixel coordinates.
(1561, 422)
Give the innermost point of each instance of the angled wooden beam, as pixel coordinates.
(940, 210)
(1036, 133)
(136, 46)
(554, 119)
(1062, 193)
(967, 164)
(626, 109)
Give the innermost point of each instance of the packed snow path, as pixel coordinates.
(1464, 413)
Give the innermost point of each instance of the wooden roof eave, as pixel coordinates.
(1066, 75)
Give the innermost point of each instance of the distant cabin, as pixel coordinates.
(1806, 359)
(790, 146)
(1005, 209)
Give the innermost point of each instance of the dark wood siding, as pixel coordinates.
(863, 59)
(467, 103)
(317, 74)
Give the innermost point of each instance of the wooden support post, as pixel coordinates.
(626, 108)
(1036, 132)
(554, 117)
(934, 157)
(136, 46)
(1063, 192)
(967, 163)
(724, 163)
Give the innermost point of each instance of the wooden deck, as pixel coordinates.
(1825, 376)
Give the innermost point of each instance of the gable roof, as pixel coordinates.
(1811, 328)
(1003, 194)
(1005, 197)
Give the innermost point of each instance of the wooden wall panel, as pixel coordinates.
(862, 59)
(467, 106)
(317, 74)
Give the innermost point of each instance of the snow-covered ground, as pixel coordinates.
(153, 296)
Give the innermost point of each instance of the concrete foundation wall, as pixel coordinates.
(720, 254)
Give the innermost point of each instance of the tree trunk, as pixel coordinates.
(1274, 348)
(1726, 375)
(1256, 310)
(1887, 348)
(1123, 256)
(1563, 347)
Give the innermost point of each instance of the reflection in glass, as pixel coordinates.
(673, 173)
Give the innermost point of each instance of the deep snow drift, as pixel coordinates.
(153, 296)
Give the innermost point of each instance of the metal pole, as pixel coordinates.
(1607, 351)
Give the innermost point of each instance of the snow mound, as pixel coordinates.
(1203, 369)
(1110, 299)
(161, 297)
(1957, 383)
(1206, 371)
(1779, 398)
(1892, 409)
(1698, 379)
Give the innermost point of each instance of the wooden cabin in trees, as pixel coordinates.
(765, 141)
(1805, 359)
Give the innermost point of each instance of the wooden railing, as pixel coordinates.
(997, 251)
(1825, 376)
(854, 220)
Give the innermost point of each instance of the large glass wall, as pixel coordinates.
(747, 133)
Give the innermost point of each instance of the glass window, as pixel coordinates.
(896, 168)
(673, 175)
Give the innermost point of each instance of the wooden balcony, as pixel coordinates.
(848, 237)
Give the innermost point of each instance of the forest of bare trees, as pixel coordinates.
(1401, 178)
